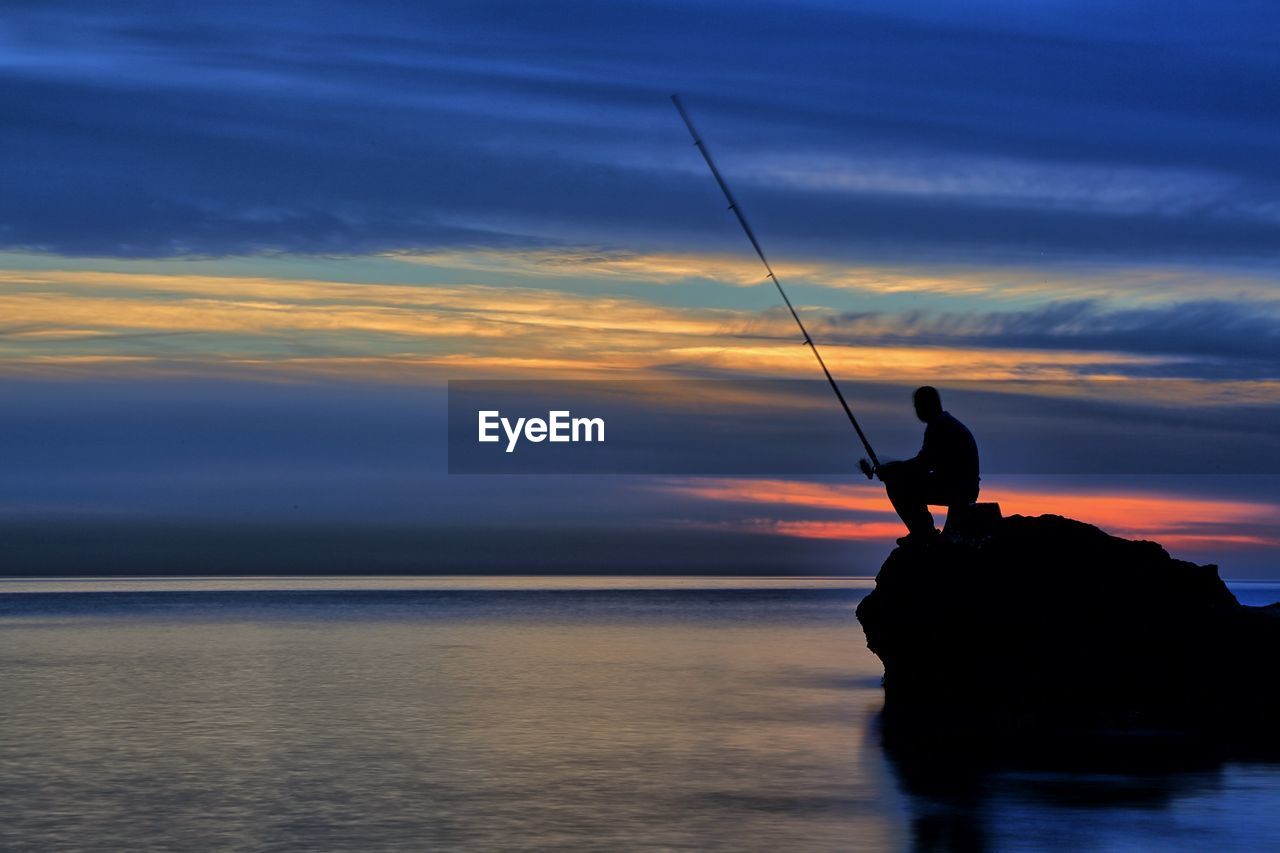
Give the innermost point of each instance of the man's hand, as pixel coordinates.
(886, 471)
(866, 468)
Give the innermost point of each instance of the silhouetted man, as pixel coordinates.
(943, 473)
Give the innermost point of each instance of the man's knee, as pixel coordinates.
(900, 489)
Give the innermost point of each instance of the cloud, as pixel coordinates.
(137, 475)
(874, 132)
(57, 316)
(1211, 338)
(69, 315)
(854, 512)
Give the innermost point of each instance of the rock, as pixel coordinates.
(973, 522)
(1047, 621)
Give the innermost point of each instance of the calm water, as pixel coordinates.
(509, 715)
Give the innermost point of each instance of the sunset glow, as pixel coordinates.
(1178, 521)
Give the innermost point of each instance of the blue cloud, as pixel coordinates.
(237, 128)
(1211, 338)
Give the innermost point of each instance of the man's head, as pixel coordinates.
(927, 402)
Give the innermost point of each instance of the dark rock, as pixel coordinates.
(1048, 621)
(972, 522)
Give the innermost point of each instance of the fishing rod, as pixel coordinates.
(755, 244)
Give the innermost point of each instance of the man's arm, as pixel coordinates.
(925, 458)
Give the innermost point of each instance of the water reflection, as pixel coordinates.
(544, 717)
(1126, 791)
(414, 719)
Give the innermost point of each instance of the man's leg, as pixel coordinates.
(906, 487)
(955, 502)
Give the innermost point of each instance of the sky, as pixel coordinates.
(245, 246)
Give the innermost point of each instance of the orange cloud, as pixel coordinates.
(160, 323)
(1173, 520)
(282, 324)
(1135, 285)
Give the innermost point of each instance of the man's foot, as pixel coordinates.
(920, 538)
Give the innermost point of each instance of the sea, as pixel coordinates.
(547, 714)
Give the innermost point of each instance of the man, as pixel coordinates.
(943, 473)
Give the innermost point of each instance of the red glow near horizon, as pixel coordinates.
(1174, 520)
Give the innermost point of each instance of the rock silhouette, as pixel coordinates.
(1049, 624)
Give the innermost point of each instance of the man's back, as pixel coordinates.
(951, 454)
